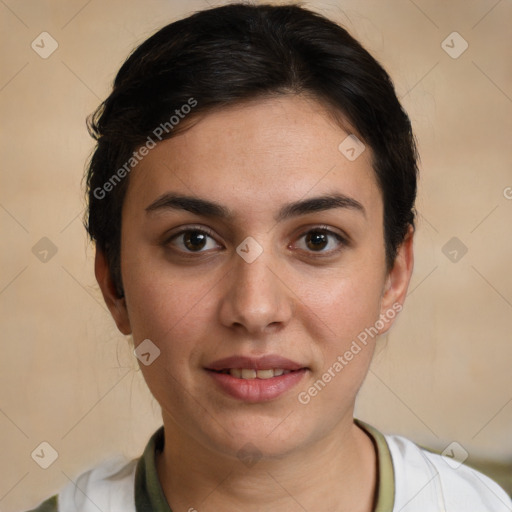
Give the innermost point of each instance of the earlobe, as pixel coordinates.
(398, 279)
(115, 304)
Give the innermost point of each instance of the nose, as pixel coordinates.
(256, 299)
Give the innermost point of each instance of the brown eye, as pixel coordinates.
(316, 240)
(194, 240)
(322, 241)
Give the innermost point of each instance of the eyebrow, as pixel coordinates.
(208, 208)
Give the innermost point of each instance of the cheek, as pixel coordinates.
(341, 304)
(341, 317)
(165, 309)
(175, 316)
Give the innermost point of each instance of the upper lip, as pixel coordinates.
(256, 363)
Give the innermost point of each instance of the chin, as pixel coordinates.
(257, 438)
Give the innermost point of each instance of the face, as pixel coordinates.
(251, 243)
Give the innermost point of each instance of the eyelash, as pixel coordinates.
(342, 241)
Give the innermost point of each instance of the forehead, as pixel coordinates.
(257, 154)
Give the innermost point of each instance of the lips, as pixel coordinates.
(256, 379)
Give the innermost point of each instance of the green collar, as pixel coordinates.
(385, 498)
(149, 496)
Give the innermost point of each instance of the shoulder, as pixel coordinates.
(108, 486)
(49, 505)
(424, 480)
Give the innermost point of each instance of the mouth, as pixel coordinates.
(256, 379)
(250, 373)
(250, 366)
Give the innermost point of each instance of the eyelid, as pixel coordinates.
(327, 229)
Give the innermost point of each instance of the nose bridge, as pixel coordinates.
(255, 298)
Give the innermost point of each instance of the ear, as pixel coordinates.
(397, 281)
(116, 304)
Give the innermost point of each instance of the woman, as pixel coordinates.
(251, 198)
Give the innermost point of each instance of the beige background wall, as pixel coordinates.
(67, 376)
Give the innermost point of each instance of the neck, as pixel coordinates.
(336, 473)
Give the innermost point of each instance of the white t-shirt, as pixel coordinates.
(425, 482)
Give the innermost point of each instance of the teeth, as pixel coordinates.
(249, 373)
(265, 374)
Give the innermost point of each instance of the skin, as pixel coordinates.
(197, 307)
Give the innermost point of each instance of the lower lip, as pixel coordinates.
(257, 390)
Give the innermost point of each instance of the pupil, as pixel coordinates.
(316, 240)
(195, 240)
